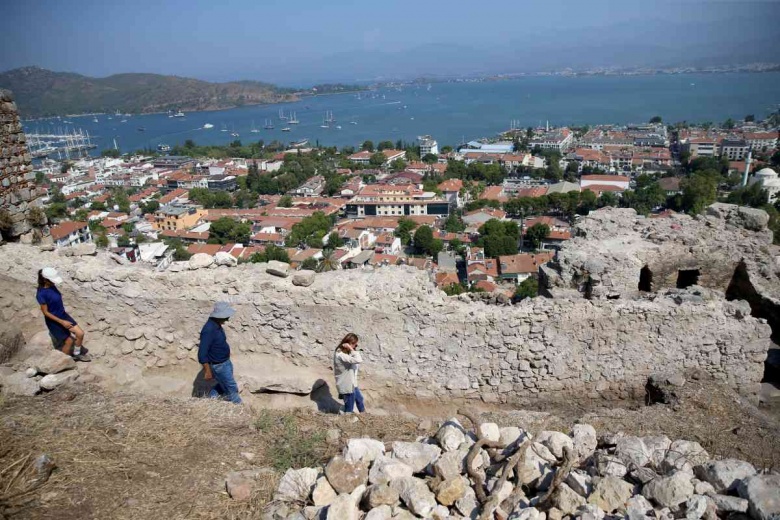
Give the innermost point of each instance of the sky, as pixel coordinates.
(302, 42)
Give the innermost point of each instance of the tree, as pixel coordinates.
(123, 241)
(454, 289)
(750, 118)
(309, 264)
(656, 120)
(385, 145)
(729, 124)
(222, 199)
(150, 207)
(699, 191)
(499, 238)
(329, 262)
(285, 202)
(607, 198)
(98, 206)
(101, 241)
(334, 241)
(271, 252)
(367, 146)
(309, 231)
(377, 159)
(404, 230)
(397, 165)
(430, 158)
(536, 233)
(424, 243)
(110, 152)
(226, 230)
(528, 288)
(454, 224)
(40, 178)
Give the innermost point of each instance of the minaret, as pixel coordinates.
(747, 167)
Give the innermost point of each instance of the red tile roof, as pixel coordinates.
(523, 263)
(63, 229)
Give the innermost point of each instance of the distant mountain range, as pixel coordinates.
(40, 92)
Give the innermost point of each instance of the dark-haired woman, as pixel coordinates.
(64, 331)
(346, 360)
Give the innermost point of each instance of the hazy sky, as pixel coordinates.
(298, 42)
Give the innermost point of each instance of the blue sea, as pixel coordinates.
(452, 112)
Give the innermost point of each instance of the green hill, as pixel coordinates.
(40, 92)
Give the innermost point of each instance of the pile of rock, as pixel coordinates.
(45, 371)
(507, 473)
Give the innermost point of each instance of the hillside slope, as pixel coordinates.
(41, 92)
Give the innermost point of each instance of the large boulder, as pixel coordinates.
(364, 449)
(415, 495)
(584, 439)
(303, 278)
(724, 475)
(283, 384)
(450, 436)
(296, 485)
(54, 362)
(670, 491)
(344, 475)
(226, 259)
(384, 469)
(611, 494)
(19, 384)
(11, 342)
(88, 249)
(763, 495)
(381, 495)
(684, 455)
(346, 506)
(451, 490)
(200, 261)
(52, 381)
(416, 455)
(555, 442)
(323, 493)
(277, 268)
(567, 500)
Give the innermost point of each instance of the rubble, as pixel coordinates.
(498, 491)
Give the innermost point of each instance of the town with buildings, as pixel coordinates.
(481, 217)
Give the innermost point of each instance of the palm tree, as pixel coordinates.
(329, 262)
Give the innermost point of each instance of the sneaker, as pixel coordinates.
(84, 358)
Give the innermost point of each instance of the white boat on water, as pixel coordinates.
(208, 125)
(224, 128)
(286, 129)
(179, 114)
(293, 120)
(254, 129)
(95, 119)
(163, 147)
(269, 125)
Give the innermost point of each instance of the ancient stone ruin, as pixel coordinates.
(18, 192)
(416, 340)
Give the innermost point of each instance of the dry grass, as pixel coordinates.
(128, 457)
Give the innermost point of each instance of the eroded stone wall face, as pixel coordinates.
(415, 339)
(16, 192)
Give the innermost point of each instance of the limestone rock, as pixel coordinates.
(363, 449)
(607, 465)
(724, 475)
(468, 505)
(639, 508)
(19, 384)
(567, 500)
(277, 268)
(584, 439)
(239, 486)
(451, 464)
(632, 450)
(763, 495)
(345, 506)
(296, 485)
(379, 513)
(345, 476)
(384, 469)
(555, 442)
(512, 436)
(54, 362)
(729, 504)
(670, 491)
(611, 494)
(450, 436)
(490, 431)
(292, 383)
(323, 493)
(528, 513)
(303, 278)
(684, 455)
(415, 495)
(695, 507)
(200, 261)
(225, 259)
(381, 494)
(580, 482)
(87, 249)
(452, 490)
(416, 455)
(52, 381)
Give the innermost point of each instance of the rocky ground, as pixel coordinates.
(129, 456)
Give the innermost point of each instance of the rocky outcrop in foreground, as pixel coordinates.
(497, 472)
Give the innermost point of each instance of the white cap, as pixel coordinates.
(51, 274)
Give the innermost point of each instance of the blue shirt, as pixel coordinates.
(52, 298)
(214, 347)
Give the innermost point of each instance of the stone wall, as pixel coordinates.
(17, 194)
(416, 339)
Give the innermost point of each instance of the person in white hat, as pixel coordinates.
(214, 354)
(66, 334)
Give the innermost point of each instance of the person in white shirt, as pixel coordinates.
(346, 360)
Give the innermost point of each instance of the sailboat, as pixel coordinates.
(234, 133)
(329, 117)
(281, 114)
(224, 128)
(269, 125)
(293, 120)
(254, 130)
(324, 123)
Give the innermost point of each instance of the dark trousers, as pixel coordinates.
(350, 400)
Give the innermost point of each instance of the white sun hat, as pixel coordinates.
(52, 275)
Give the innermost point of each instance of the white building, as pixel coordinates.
(70, 233)
(428, 145)
(560, 139)
(619, 181)
(769, 181)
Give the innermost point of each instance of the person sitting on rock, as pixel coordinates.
(66, 334)
(346, 360)
(214, 354)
